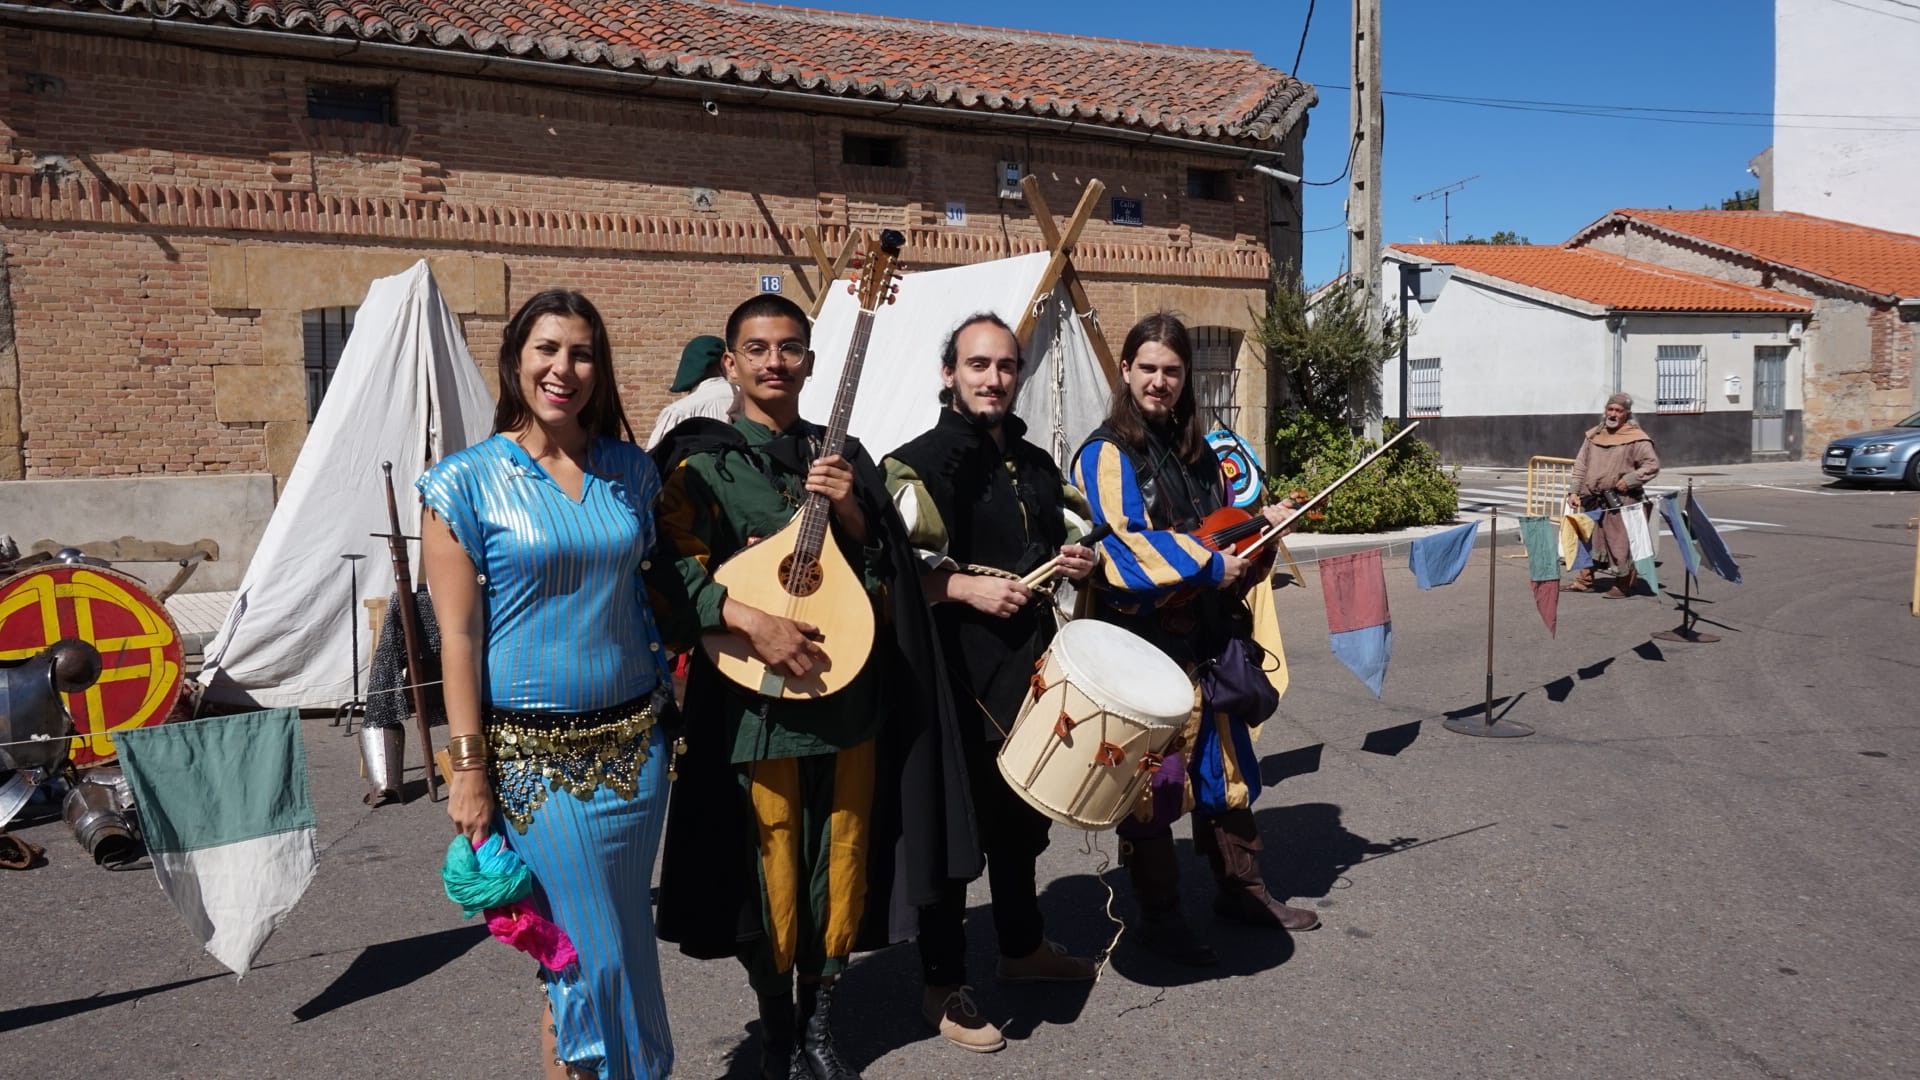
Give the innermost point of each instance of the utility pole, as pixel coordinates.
(1363, 180)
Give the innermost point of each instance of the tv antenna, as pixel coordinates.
(1445, 194)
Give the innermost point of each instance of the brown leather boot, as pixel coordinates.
(1156, 884)
(1231, 843)
(1582, 581)
(1623, 585)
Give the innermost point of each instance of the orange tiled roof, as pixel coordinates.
(1607, 280)
(1204, 93)
(1875, 260)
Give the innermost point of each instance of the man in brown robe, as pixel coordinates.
(1611, 471)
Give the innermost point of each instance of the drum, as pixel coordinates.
(141, 656)
(1105, 706)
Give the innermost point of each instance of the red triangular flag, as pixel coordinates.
(1546, 597)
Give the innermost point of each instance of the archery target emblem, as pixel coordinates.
(1240, 466)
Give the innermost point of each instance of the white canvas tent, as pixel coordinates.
(1064, 391)
(406, 391)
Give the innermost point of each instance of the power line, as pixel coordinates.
(1352, 149)
(1698, 117)
(1877, 11)
(1302, 50)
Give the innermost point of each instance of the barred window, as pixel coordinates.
(1423, 386)
(1214, 376)
(326, 338)
(1680, 379)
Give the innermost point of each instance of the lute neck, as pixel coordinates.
(816, 513)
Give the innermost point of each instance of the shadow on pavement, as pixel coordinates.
(391, 965)
(1390, 741)
(1303, 761)
(1309, 851)
(29, 1015)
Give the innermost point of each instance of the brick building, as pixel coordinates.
(1858, 371)
(193, 195)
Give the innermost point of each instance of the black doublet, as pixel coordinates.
(1002, 509)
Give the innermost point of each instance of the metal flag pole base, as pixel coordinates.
(1685, 631)
(1488, 727)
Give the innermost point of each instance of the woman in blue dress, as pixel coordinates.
(533, 546)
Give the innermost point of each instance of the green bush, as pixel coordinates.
(1404, 488)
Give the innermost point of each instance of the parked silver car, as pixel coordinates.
(1887, 454)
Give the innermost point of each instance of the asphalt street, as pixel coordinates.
(1704, 864)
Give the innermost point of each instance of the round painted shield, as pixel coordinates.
(140, 653)
(1240, 465)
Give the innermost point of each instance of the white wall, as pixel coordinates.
(1859, 59)
(1505, 355)
(1727, 341)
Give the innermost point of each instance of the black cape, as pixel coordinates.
(921, 830)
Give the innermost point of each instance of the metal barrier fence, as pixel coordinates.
(1547, 485)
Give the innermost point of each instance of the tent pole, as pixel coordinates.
(1061, 268)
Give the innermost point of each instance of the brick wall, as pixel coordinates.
(131, 172)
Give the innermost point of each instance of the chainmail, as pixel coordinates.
(388, 706)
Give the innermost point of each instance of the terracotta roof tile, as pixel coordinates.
(1203, 93)
(1875, 260)
(1607, 280)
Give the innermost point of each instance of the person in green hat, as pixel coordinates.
(711, 394)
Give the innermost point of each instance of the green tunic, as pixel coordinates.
(713, 505)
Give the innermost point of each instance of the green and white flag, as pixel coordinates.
(229, 823)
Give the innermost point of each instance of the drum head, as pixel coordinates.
(1123, 673)
(140, 652)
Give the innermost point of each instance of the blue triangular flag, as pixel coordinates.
(1365, 652)
(1712, 549)
(1677, 525)
(1438, 559)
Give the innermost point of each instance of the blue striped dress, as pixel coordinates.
(568, 629)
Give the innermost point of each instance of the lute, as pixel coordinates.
(798, 572)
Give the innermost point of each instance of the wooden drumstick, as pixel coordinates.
(1050, 569)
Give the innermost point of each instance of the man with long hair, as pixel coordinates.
(1149, 474)
(984, 507)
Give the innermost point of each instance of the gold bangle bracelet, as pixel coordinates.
(468, 764)
(467, 745)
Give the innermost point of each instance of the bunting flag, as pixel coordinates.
(1640, 543)
(1583, 556)
(1576, 536)
(1677, 525)
(1540, 535)
(228, 822)
(1713, 550)
(1355, 588)
(1438, 559)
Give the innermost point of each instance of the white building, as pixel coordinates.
(1846, 101)
(1519, 351)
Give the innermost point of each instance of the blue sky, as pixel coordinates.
(1540, 173)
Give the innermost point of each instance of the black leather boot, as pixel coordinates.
(1150, 862)
(776, 1036)
(818, 1058)
(1231, 843)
